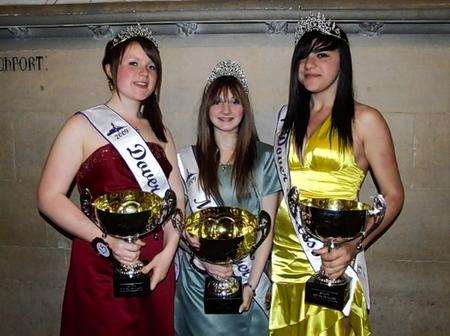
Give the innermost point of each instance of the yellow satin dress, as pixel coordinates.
(326, 172)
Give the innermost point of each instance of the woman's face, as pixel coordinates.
(226, 112)
(319, 71)
(136, 74)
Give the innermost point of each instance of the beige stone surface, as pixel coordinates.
(432, 151)
(405, 76)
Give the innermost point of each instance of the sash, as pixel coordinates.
(198, 200)
(359, 269)
(131, 147)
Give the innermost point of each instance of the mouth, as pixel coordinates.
(141, 84)
(311, 75)
(225, 119)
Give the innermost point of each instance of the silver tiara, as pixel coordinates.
(316, 22)
(134, 31)
(228, 68)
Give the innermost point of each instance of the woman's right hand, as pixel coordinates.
(124, 252)
(219, 272)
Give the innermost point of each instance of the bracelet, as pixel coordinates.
(251, 287)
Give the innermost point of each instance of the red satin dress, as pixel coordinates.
(90, 307)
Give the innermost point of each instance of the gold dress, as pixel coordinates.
(325, 173)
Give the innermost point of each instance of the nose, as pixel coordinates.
(143, 71)
(309, 62)
(226, 107)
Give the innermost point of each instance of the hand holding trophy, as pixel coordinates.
(333, 222)
(129, 215)
(224, 235)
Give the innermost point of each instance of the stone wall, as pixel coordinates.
(405, 76)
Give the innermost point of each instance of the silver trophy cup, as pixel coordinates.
(333, 222)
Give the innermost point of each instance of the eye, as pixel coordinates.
(216, 101)
(235, 101)
(152, 67)
(133, 63)
(322, 54)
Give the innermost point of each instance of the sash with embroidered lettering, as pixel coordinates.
(131, 147)
(357, 271)
(198, 200)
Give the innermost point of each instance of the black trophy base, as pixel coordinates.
(334, 296)
(125, 286)
(220, 304)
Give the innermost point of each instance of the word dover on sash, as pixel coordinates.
(139, 153)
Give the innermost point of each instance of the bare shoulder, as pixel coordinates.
(368, 118)
(77, 123)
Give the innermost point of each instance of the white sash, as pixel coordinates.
(131, 147)
(281, 149)
(198, 200)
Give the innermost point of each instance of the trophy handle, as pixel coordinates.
(264, 227)
(378, 209)
(377, 212)
(179, 225)
(169, 204)
(87, 206)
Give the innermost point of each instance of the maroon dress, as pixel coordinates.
(90, 307)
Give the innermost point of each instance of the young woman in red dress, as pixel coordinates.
(80, 153)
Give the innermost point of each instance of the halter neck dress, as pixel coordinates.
(325, 172)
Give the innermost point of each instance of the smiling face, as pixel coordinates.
(136, 74)
(319, 70)
(226, 112)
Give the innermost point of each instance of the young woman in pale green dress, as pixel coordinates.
(236, 170)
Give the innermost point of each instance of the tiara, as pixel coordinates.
(228, 68)
(316, 22)
(134, 31)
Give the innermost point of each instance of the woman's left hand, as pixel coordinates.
(335, 262)
(159, 266)
(247, 298)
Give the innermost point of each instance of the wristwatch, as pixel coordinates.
(101, 247)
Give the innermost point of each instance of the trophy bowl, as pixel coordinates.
(225, 235)
(333, 222)
(128, 215)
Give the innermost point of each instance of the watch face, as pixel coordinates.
(103, 249)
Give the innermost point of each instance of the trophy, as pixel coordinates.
(333, 222)
(225, 234)
(129, 215)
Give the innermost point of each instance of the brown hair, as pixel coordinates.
(113, 57)
(208, 155)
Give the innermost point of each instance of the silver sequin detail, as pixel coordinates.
(134, 31)
(316, 22)
(228, 68)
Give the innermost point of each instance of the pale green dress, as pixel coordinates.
(190, 319)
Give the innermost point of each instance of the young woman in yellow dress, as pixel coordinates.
(325, 144)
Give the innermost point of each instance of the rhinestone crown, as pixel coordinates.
(316, 22)
(228, 68)
(134, 31)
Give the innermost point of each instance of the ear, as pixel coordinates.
(108, 70)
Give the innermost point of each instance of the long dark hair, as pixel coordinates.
(208, 155)
(113, 58)
(343, 111)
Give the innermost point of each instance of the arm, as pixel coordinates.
(269, 203)
(161, 262)
(378, 154)
(63, 162)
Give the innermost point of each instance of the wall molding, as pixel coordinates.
(187, 18)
